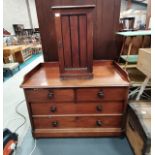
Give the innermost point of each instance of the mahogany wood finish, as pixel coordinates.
(46, 95)
(74, 32)
(74, 132)
(105, 24)
(76, 107)
(106, 74)
(101, 94)
(77, 122)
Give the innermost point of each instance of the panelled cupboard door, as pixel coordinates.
(74, 32)
(107, 45)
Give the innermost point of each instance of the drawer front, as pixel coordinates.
(77, 122)
(46, 95)
(102, 94)
(77, 108)
(77, 132)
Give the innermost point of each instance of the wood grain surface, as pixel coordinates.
(46, 75)
(76, 108)
(105, 21)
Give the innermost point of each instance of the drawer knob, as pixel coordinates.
(99, 108)
(55, 123)
(100, 94)
(99, 123)
(53, 109)
(50, 95)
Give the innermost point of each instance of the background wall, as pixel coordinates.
(134, 6)
(16, 12)
(33, 13)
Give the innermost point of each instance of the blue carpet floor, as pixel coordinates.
(7, 75)
(75, 146)
(83, 146)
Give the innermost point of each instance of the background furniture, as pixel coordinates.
(140, 83)
(24, 54)
(127, 23)
(144, 65)
(10, 67)
(10, 50)
(5, 32)
(77, 107)
(20, 53)
(36, 48)
(138, 127)
(18, 29)
(105, 20)
(144, 61)
(132, 34)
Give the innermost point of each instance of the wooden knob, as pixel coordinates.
(53, 109)
(99, 108)
(99, 123)
(100, 94)
(50, 95)
(55, 123)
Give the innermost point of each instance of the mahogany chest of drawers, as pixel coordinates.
(76, 107)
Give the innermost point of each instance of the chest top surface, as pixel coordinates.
(47, 75)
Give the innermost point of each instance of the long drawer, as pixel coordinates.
(47, 95)
(76, 108)
(77, 122)
(102, 94)
(76, 132)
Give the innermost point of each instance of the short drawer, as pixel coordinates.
(102, 94)
(46, 95)
(77, 122)
(76, 108)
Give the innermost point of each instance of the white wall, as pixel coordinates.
(134, 6)
(33, 13)
(15, 12)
